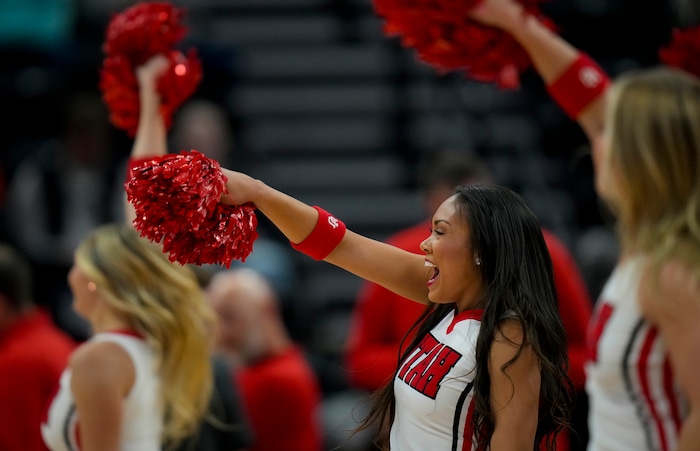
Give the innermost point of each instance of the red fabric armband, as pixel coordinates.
(326, 235)
(579, 85)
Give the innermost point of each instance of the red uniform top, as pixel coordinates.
(281, 395)
(33, 354)
(381, 318)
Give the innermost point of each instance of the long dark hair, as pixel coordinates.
(517, 272)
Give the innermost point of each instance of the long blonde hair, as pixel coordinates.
(654, 160)
(163, 302)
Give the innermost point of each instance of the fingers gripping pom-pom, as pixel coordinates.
(683, 51)
(443, 36)
(176, 199)
(133, 36)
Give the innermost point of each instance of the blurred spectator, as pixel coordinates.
(65, 188)
(382, 318)
(205, 126)
(279, 389)
(33, 353)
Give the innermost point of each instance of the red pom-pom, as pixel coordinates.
(176, 199)
(144, 30)
(133, 36)
(178, 83)
(443, 36)
(683, 51)
(120, 92)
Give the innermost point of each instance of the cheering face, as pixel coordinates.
(455, 276)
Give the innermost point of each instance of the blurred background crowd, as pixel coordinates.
(312, 97)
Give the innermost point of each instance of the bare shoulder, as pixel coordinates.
(515, 375)
(670, 293)
(509, 333)
(508, 343)
(100, 364)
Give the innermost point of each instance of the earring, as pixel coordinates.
(91, 287)
(477, 261)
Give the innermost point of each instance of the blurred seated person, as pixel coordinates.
(204, 125)
(279, 389)
(67, 186)
(33, 354)
(382, 318)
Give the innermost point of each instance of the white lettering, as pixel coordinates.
(333, 222)
(589, 77)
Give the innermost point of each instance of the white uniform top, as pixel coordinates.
(634, 400)
(434, 388)
(143, 413)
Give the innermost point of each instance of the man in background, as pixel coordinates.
(279, 388)
(33, 354)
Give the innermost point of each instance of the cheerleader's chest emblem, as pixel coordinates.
(428, 365)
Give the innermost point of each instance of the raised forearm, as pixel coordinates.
(393, 268)
(151, 135)
(292, 217)
(552, 56)
(549, 53)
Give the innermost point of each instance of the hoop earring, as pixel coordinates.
(477, 261)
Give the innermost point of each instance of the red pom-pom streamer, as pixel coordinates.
(176, 199)
(683, 51)
(144, 30)
(443, 36)
(133, 36)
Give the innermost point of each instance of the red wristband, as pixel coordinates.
(579, 85)
(325, 236)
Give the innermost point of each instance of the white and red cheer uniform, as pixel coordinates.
(434, 388)
(634, 401)
(143, 411)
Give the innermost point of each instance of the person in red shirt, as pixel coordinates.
(381, 318)
(33, 353)
(278, 387)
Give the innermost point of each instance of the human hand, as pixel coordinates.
(240, 188)
(150, 72)
(497, 13)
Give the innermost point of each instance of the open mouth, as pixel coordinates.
(436, 272)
